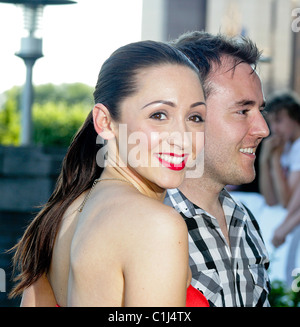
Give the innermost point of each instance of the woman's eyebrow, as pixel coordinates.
(200, 103)
(172, 104)
(169, 103)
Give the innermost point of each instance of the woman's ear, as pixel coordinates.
(103, 122)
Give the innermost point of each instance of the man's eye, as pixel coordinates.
(159, 116)
(243, 112)
(196, 118)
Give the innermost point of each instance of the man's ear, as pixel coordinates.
(103, 122)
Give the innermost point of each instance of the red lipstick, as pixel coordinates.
(172, 161)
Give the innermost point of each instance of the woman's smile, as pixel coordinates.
(172, 161)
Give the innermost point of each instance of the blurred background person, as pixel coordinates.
(280, 168)
(280, 161)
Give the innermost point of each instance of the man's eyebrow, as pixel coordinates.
(247, 102)
(172, 104)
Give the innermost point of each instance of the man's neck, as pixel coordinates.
(203, 193)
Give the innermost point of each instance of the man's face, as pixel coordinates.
(234, 124)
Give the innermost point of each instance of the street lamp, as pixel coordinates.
(31, 50)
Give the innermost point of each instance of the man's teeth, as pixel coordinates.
(248, 150)
(171, 159)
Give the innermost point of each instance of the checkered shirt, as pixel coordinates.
(234, 276)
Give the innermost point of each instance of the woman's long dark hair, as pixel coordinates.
(116, 81)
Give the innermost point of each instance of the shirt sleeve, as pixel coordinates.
(294, 157)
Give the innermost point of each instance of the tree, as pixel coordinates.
(56, 124)
(10, 123)
(58, 112)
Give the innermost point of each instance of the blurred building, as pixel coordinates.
(27, 179)
(267, 22)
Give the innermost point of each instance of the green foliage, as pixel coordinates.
(70, 94)
(282, 296)
(56, 124)
(58, 112)
(10, 123)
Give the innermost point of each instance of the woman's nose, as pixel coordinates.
(180, 137)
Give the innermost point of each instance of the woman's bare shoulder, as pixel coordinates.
(39, 294)
(139, 210)
(126, 220)
(150, 222)
(127, 205)
(155, 249)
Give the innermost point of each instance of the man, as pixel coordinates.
(228, 257)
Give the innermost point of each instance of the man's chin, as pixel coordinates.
(245, 179)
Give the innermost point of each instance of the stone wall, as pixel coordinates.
(27, 179)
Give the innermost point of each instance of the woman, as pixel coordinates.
(110, 241)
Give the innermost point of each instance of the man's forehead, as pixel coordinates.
(228, 66)
(240, 87)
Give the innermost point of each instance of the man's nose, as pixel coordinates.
(259, 126)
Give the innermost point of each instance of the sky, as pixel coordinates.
(77, 39)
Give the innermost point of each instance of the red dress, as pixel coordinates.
(195, 298)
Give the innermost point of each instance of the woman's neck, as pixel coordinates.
(143, 185)
(116, 168)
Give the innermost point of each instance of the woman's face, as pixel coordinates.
(161, 126)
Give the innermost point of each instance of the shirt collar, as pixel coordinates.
(183, 205)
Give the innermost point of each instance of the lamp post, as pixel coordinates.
(30, 51)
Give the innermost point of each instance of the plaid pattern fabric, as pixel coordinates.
(232, 276)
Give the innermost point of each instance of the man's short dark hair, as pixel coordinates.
(287, 100)
(205, 49)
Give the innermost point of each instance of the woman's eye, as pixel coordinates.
(159, 116)
(196, 119)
